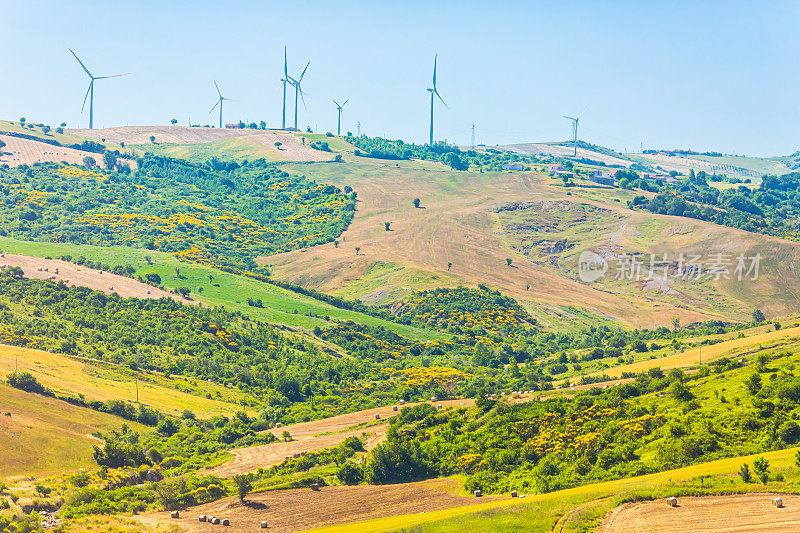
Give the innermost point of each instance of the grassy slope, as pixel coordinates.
(229, 290)
(45, 436)
(233, 149)
(103, 381)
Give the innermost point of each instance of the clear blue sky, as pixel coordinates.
(703, 75)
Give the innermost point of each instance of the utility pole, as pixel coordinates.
(359, 129)
(473, 136)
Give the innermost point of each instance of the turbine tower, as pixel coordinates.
(339, 122)
(298, 91)
(574, 134)
(90, 90)
(284, 80)
(434, 92)
(219, 103)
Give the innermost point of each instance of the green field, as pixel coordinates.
(233, 149)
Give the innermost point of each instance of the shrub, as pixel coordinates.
(789, 432)
(350, 474)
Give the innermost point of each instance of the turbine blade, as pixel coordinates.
(440, 98)
(285, 67)
(435, 57)
(114, 76)
(217, 86)
(337, 103)
(345, 102)
(582, 112)
(304, 71)
(215, 106)
(302, 97)
(87, 95)
(81, 62)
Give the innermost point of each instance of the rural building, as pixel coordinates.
(602, 178)
(513, 166)
(232, 126)
(655, 177)
(552, 169)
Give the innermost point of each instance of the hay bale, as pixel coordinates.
(463, 404)
(672, 501)
(315, 486)
(304, 452)
(377, 416)
(402, 402)
(211, 519)
(203, 518)
(216, 521)
(226, 522)
(175, 514)
(263, 524)
(439, 406)
(433, 398)
(394, 408)
(777, 502)
(513, 494)
(478, 493)
(296, 455)
(278, 425)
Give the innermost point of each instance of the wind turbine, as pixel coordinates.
(284, 80)
(433, 92)
(90, 90)
(575, 132)
(339, 123)
(298, 91)
(219, 103)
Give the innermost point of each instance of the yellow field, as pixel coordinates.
(104, 382)
(44, 436)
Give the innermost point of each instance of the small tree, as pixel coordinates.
(508, 261)
(761, 468)
(335, 244)
(89, 161)
(386, 226)
(758, 316)
(153, 139)
(109, 159)
(416, 202)
(286, 435)
(262, 125)
(449, 264)
(22, 120)
(358, 249)
(744, 473)
(676, 323)
(278, 145)
(243, 485)
(174, 121)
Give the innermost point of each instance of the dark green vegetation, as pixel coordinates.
(220, 214)
(772, 208)
(657, 422)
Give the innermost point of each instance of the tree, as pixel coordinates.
(754, 383)
(184, 291)
(46, 129)
(152, 138)
(335, 244)
(278, 144)
(761, 468)
(508, 261)
(63, 124)
(153, 278)
(416, 202)
(243, 485)
(59, 130)
(449, 264)
(758, 316)
(386, 226)
(350, 474)
(22, 120)
(262, 125)
(676, 323)
(358, 249)
(286, 435)
(109, 159)
(744, 473)
(174, 121)
(89, 161)
(168, 427)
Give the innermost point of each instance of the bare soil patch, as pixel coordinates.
(315, 436)
(72, 274)
(25, 151)
(739, 512)
(300, 509)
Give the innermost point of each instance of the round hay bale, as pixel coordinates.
(377, 416)
(777, 502)
(304, 453)
(263, 524)
(402, 402)
(296, 455)
(433, 398)
(672, 501)
(202, 518)
(513, 494)
(439, 406)
(175, 514)
(478, 493)
(216, 521)
(278, 425)
(226, 522)
(394, 408)
(315, 486)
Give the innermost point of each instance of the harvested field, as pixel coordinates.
(291, 148)
(72, 274)
(314, 436)
(25, 151)
(740, 512)
(559, 150)
(300, 509)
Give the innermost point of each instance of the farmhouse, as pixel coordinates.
(552, 169)
(603, 178)
(513, 166)
(232, 126)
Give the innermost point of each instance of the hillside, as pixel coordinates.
(565, 149)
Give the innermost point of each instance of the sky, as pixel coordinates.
(695, 75)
